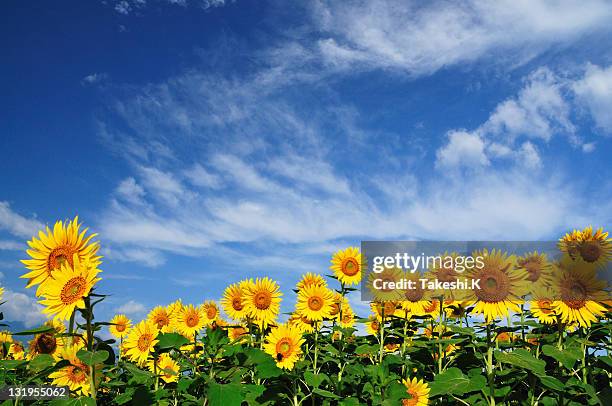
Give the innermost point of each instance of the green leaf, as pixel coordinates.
(349, 402)
(325, 393)
(523, 359)
(82, 401)
(567, 357)
(41, 362)
(264, 364)
(125, 396)
(35, 331)
(171, 340)
(138, 375)
(11, 364)
(314, 380)
(92, 358)
(552, 383)
(224, 395)
(451, 381)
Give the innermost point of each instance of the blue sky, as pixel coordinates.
(209, 141)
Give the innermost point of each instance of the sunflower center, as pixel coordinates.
(433, 305)
(161, 320)
(574, 294)
(375, 325)
(315, 303)
(446, 275)
(495, 288)
(590, 251)
(76, 374)
(192, 319)
(414, 295)
(211, 312)
(284, 347)
(544, 306)
(389, 308)
(59, 256)
(263, 300)
(237, 304)
(534, 269)
(335, 309)
(73, 290)
(121, 327)
(46, 343)
(413, 400)
(350, 267)
(144, 341)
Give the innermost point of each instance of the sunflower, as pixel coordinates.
(160, 317)
(385, 309)
(167, 368)
(211, 312)
(45, 343)
(237, 333)
(373, 325)
(140, 342)
(501, 285)
(262, 301)
(120, 326)
(383, 280)
(347, 265)
(310, 279)
(16, 351)
(6, 337)
(284, 343)
(457, 308)
(415, 300)
(541, 305)
(233, 301)
(1, 293)
(190, 321)
(537, 267)
(65, 290)
(348, 317)
(338, 301)
(174, 310)
(57, 325)
(418, 392)
(54, 248)
(315, 303)
(302, 323)
(581, 294)
(447, 271)
(595, 248)
(75, 375)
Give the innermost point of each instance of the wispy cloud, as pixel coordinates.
(131, 308)
(17, 224)
(21, 307)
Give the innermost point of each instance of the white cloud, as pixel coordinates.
(21, 307)
(130, 191)
(588, 147)
(17, 224)
(11, 245)
(94, 78)
(463, 149)
(595, 92)
(200, 176)
(423, 38)
(131, 307)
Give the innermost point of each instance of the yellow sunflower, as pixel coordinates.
(65, 290)
(456, 308)
(315, 303)
(415, 300)
(173, 310)
(75, 375)
(541, 305)
(167, 368)
(160, 317)
(594, 248)
(302, 323)
(347, 265)
(16, 351)
(6, 337)
(418, 392)
(45, 343)
(373, 325)
(121, 326)
(348, 317)
(210, 311)
(501, 285)
(310, 279)
(386, 309)
(537, 267)
(237, 333)
(190, 320)
(284, 344)
(1, 293)
(262, 301)
(581, 294)
(58, 326)
(447, 271)
(140, 342)
(232, 301)
(54, 248)
(382, 285)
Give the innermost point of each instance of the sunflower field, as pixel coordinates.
(496, 347)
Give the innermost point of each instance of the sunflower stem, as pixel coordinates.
(490, 367)
(382, 335)
(316, 348)
(88, 319)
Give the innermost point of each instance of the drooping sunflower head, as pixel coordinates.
(65, 290)
(457, 308)
(233, 302)
(501, 286)
(348, 316)
(57, 247)
(45, 343)
(537, 267)
(120, 326)
(373, 325)
(347, 265)
(581, 293)
(237, 333)
(167, 368)
(262, 301)
(75, 375)
(191, 319)
(210, 310)
(140, 342)
(310, 279)
(315, 303)
(284, 344)
(418, 392)
(160, 317)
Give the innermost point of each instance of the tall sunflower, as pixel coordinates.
(262, 301)
(75, 375)
(537, 267)
(309, 279)
(54, 248)
(373, 325)
(502, 286)
(16, 351)
(140, 342)
(415, 300)
(65, 290)
(232, 301)
(595, 248)
(45, 343)
(174, 310)
(160, 317)
(167, 368)
(315, 303)
(210, 311)
(348, 316)
(347, 265)
(418, 392)
(190, 320)
(301, 323)
(120, 327)
(541, 305)
(284, 344)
